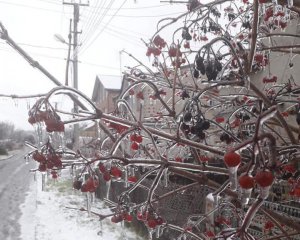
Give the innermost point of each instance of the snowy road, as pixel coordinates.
(14, 183)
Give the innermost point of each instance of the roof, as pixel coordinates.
(111, 82)
(106, 82)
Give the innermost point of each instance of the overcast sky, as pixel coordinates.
(106, 30)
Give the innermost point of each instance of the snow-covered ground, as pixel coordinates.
(45, 215)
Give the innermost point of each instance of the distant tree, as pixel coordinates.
(6, 130)
(29, 138)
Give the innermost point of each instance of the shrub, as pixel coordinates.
(3, 151)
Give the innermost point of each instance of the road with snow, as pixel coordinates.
(14, 183)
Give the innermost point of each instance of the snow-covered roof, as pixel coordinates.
(110, 81)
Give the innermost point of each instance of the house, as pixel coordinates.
(106, 90)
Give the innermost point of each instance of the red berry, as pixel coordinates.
(132, 179)
(204, 158)
(131, 92)
(140, 95)
(139, 216)
(232, 159)
(246, 182)
(151, 223)
(296, 191)
(159, 221)
(210, 234)
(106, 176)
(77, 184)
(134, 146)
(186, 45)
(269, 225)
(264, 178)
(101, 167)
(90, 185)
(115, 172)
(128, 217)
(116, 218)
(42, 167)
(133, 137)
(259, 57)
(139, 138)
(290, 168)
(220, 119)
(39, 157)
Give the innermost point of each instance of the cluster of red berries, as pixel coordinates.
(125, 216)
(272, 79)
(90, 185)
(135, 139)
(173, 51)
(114, 172)
(268, 14)
(153, 50)
(54, 174)
(49, 161)
(263, 178)
(192, 5)
(276, 19)
(140, 95)
(159, 42)
(52, 120)
(151, 220)
(119, 128)
(269, 225)
(261, 59)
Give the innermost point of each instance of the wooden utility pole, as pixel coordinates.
(76, 14)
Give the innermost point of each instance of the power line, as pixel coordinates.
(95, 38)
(31, 7)
(38, 46)
(97, 21)
(147, 16)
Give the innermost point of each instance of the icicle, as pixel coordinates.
(16, 102)
(165, 178)
(233, 177)
(100, 232)
(62, 141)
(290, 3)
(28, 104)
(123, 234)
(43, 181)
(39, 132)
(26, 160)
(88, 203)
(150, 235)
(126, 177)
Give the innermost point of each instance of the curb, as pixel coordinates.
(6, 158)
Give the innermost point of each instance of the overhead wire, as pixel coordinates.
(31, 7)
(96, 23)
(101, 31)
(90, 20)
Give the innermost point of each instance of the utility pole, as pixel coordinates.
(76, 8)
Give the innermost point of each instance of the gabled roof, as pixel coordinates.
(111, 82)
(107, 82)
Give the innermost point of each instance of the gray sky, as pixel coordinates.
(106, 31)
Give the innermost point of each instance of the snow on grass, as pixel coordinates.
(45, 215)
